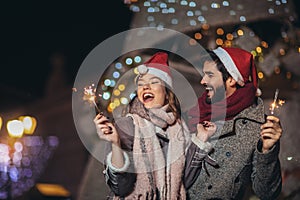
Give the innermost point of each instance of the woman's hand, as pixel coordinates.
(106, 130)
(205, 130)
(271, 132)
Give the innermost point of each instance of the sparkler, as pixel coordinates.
(275, 105)
(89, 95)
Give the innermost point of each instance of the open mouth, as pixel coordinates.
(209, 90)
(147, 97)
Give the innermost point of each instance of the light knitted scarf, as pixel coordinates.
(159, 174)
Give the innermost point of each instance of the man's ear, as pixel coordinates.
(230, 86)
(231, 82)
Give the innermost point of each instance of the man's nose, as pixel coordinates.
(203, 80)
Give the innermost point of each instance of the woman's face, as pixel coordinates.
(151, 91)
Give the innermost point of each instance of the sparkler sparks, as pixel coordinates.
(89, 95)
(276, 103)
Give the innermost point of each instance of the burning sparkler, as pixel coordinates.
(275, 105)
(89, 95)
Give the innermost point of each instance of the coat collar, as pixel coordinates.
(254, 113)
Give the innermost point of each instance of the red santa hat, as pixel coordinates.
(158, 66)
(240, 65)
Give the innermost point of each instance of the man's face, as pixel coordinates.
(213, 82)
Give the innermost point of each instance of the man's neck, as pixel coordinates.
(230, 91)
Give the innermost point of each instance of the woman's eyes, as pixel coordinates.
(151, 82)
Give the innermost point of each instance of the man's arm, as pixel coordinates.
(266, 176)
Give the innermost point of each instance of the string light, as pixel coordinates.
(260, 75)
(220, 31)
(198, 36)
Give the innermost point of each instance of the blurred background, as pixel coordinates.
(44, 44)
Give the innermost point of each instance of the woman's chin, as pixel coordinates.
(149, 105)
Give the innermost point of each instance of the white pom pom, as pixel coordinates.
(142, 69)
(258, 92)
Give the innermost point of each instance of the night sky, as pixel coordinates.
(31, 32)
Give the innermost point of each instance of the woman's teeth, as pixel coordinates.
(147, 96)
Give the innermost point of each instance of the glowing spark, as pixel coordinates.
(275, 105)
(89, 94)
(289, 158)
(281, 102)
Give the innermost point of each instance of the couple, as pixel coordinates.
(155, 155)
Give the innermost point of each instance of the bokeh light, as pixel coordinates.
(106, 95)
(128, 61)
(118, 65)
(15, 128)
(107, 82)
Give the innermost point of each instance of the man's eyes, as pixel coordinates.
(210, 75)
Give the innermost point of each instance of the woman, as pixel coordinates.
(149, 144)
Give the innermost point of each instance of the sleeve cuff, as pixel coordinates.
(114, 169)
(269, 156)
(205, 146)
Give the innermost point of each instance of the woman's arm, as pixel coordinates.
(198, 152)
(118, 163)
(193, 166)
(196, 155)
(108, 132)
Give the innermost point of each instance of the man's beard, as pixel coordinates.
(219, 95)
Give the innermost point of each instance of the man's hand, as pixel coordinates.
(271, 132)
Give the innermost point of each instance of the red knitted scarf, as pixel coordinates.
(226, 109)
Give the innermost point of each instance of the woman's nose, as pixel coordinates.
(146, 86)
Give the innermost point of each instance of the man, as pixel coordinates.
(235, 144)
